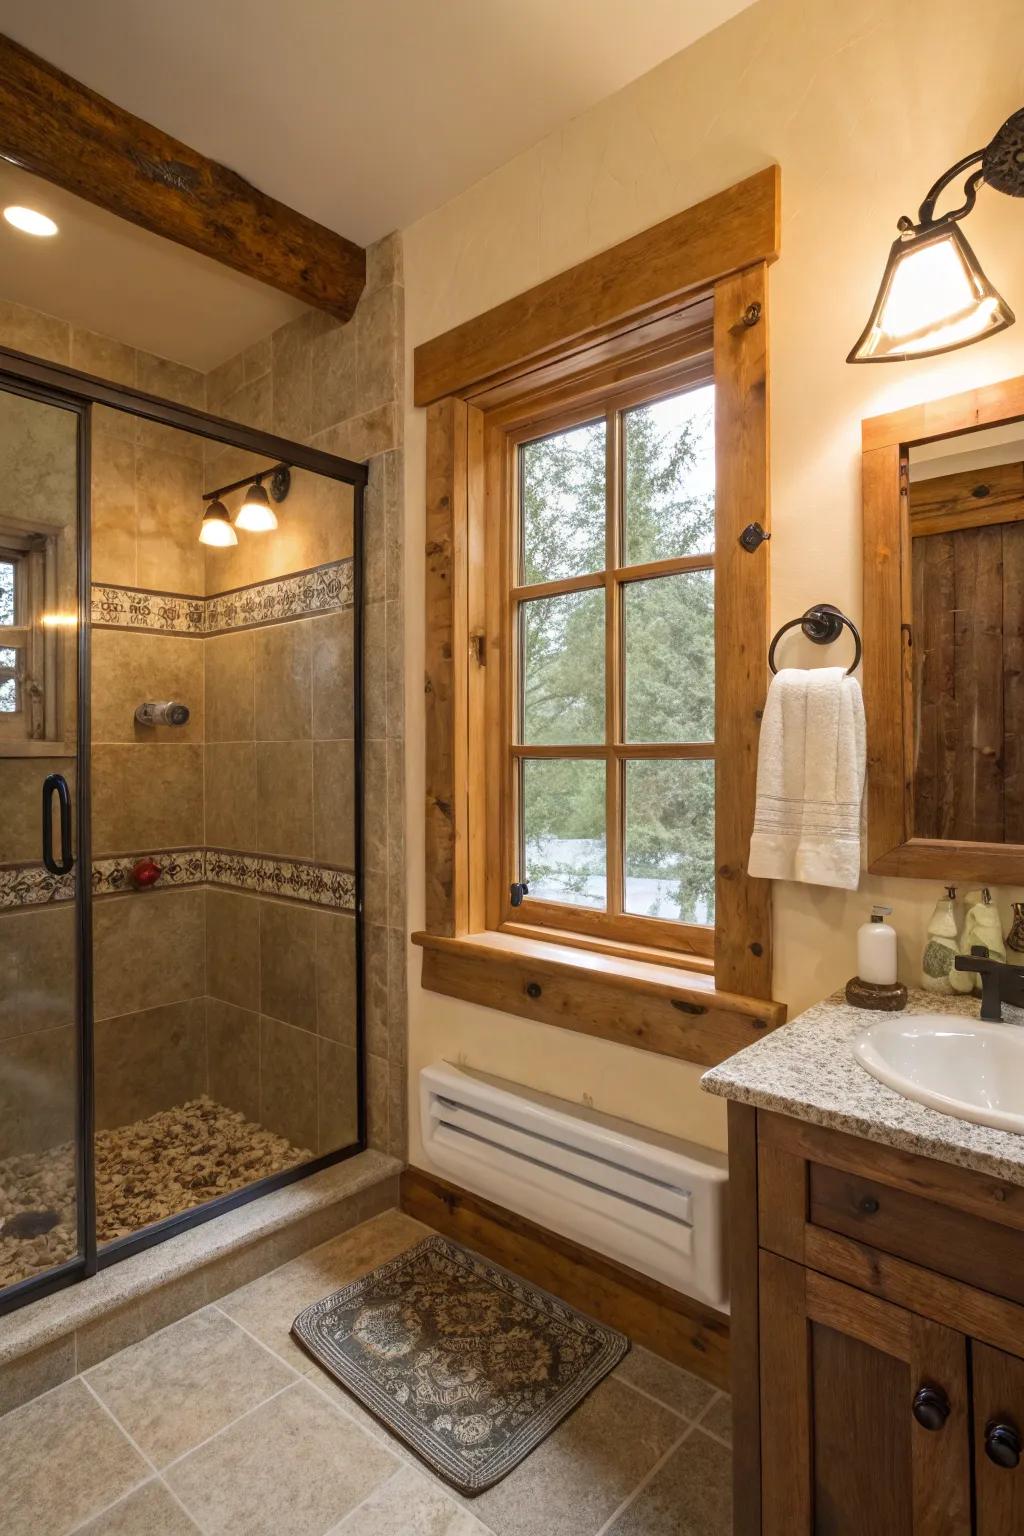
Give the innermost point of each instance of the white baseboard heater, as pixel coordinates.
(652, 1201)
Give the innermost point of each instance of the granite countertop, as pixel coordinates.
(804, 1069)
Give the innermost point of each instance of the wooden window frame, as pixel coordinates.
(686, 300)
(535, 917)
(33, 555)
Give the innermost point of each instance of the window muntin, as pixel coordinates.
(613, 671)
(28, 651)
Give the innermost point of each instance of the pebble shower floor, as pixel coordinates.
(145, 1171)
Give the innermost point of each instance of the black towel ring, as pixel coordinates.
(821, 624)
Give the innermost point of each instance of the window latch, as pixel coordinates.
(518, 889)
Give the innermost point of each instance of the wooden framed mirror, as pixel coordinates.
(943, 487)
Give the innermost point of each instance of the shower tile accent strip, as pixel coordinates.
(321, 885)
(324, 589)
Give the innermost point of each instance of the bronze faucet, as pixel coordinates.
(1000, 983)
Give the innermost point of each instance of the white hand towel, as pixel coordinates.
(810, 780)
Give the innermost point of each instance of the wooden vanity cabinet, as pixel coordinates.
(878, 1339)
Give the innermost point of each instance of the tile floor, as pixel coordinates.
(219, 1424)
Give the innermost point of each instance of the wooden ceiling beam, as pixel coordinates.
(57, 128)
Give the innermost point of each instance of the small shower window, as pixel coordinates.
(29, 654)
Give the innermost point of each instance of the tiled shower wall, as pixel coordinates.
(339, 388)
(226, 991)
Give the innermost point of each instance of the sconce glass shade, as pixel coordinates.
(934, 298)
(216, 529)
(256, 515)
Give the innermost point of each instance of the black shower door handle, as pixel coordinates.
(57, 781)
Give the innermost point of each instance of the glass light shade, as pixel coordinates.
(256, 515)
(216, 528)
(934, 297)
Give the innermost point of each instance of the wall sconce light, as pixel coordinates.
(255, 515)
(934, 295)
(216, 529)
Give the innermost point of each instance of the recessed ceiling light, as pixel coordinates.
(29, 221)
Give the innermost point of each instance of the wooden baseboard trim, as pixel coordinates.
(673, 1325)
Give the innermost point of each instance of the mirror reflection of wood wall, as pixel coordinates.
(968, 654)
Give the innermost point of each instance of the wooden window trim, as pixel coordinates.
(466, 618)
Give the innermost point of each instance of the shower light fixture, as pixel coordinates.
(216, 529)
(256, 515)
(934, 295)
(29, 221)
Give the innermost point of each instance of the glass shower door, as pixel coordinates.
(40, 1013)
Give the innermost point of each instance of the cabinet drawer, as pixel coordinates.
(950, 1242)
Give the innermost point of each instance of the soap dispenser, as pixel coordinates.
(941, 946)
(875, 984)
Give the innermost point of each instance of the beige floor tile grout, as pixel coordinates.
(644, 1481)
(105, 1510)
(699, 1423)
(288, 1387)
(337, 1530)
(299, 1375)
(643, 1392)
(140, 1452)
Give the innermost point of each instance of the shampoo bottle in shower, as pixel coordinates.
(940, 949)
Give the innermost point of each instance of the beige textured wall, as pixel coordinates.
(863, 103)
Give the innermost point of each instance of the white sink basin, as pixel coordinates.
(958, 1066)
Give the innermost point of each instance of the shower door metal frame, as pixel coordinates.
(60, 385)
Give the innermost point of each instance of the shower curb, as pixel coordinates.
(53, 1339)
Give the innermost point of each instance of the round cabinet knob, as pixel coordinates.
(1002, 1445)
(930, 1407)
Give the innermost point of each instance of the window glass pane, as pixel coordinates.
(670, 477)
(670, 840)
(6, 592)
(563, 822)
(669, 629)
(563, 669)
(8, 696)
(563, 501)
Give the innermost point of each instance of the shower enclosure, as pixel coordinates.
(181, 1021)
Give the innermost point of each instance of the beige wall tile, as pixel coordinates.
(149, 1061)
(21, 784)
(374, 671)
(375, 988)
(332, 678)
(229, 686)
(28, 330)
(288, 962)
(257, 359)
(38, 460)
(288, 1093)
(361, 437)
(32, 1375)
(252, 405)
(334, 373)
(148, 949)
(282, 682)
(379, 330)
(38, 1078)
(114, 523)
(222, 382)
(233, 948)
(233, 1054)
(375, 807)
(336, 976)
(292, 380)
(146, 797)
(384, 262)
(103, 356)
(37, 968)
(171, 381)
(155, 435)
(378, 1100)
(334, 802)
(114, 1331)
(128, 669)
(170, 509)
(231, 795)
(284, 797)
(337, 1096)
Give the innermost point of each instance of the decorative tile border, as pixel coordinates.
(178, 866)
(323, 885)
(162, 613)
(325, 589)
(27, 885)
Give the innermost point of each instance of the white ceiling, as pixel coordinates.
(363, 114)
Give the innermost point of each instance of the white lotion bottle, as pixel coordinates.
(876, 949)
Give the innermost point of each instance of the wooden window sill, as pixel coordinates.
(634, 1002)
